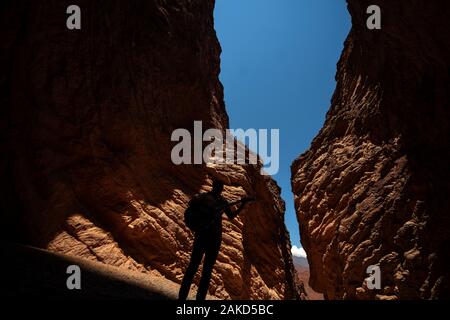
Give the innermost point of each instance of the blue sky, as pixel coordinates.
(277, 66)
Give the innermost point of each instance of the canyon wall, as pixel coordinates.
(373, 188)
(86, 123)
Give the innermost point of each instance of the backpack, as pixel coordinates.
(199, 212)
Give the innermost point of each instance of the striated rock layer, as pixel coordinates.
(87, 117)
(373, 188)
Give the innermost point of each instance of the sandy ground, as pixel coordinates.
(36, 272)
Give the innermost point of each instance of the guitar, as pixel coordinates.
(218, 211)
(195, 221)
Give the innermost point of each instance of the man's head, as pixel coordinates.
(217, 187)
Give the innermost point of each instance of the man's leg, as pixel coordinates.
(196, 258)
(211, 253)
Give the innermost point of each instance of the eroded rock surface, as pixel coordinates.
(87, 117)
(373, 188)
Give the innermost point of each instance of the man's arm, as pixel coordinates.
(230, 214)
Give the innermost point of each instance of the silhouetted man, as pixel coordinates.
(207, 239)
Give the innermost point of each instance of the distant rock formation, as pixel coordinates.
(302, 268)
(87, 117)
(374, 187)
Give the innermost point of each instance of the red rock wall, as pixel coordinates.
(86, 123)
(373, 188)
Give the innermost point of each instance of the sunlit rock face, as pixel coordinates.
(373, 187)
(87, 117)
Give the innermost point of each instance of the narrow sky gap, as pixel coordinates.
(277, 66)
